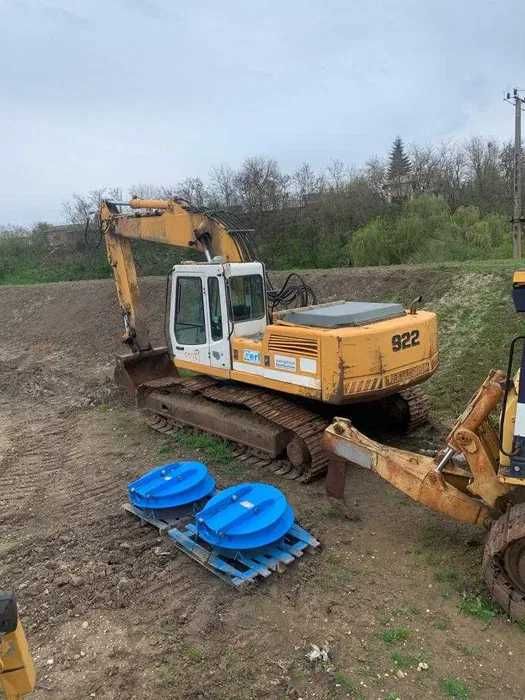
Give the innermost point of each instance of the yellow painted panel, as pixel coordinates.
(338, 365)
(202, 369)
(519, 277)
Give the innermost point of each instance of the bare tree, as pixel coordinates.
(145, 191)
(192, 189)
(336, 175)
(261, 185)
(306, 181)
(506, 159)
(375, 174)
(453, 174)
(426, 167)
(486, 182)
(223, 187)
(80, 208)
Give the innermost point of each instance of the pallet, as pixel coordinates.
(152, 518)
(238, 569)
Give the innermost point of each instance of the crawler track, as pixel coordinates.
(303, 457)
(417, 405)
(504, 562)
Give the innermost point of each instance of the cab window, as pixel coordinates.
(189, 312)
(214, 300)
(247, 297)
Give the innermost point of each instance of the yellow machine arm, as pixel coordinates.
(172, 222)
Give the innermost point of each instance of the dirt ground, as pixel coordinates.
(112, 610)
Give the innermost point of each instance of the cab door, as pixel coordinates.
(198, 327)
(188, 330)
(217, 315)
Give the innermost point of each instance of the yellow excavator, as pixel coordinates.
(235, 364)
(478, 478)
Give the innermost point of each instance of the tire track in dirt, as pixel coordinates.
(51, 476)
(32, 463)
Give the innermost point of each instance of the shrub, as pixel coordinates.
(425, 230)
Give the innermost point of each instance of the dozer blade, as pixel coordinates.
(134, 369)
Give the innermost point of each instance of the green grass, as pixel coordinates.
(25, 262)
(448, 576)
(214, 449)
(347, 685)
(473, 336)
(405, 661)
(454, 688)
(478, 606)
(521, 625)
(394, 635)
(192, 653)
(442, 623)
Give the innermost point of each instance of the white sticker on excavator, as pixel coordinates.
(285, 362)
(308, 365)
(252, 356)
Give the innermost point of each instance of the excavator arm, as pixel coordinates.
(172, 222)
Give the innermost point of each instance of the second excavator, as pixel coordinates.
(237, 366)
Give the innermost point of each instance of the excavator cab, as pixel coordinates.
(208, 304)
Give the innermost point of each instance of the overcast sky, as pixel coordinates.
(122, 92)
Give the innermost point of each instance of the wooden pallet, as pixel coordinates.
(235, 568)
(151, 518)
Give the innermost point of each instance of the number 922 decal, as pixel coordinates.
(402, 341)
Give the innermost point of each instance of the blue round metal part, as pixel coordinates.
(245, 516)
(171, 486)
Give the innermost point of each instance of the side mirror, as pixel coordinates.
(8, 613)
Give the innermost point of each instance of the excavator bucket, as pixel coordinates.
(134, 369)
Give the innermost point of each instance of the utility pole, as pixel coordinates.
(517, 220)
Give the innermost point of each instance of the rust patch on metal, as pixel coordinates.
(336, 478)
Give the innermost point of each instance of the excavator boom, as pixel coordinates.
(171, 222)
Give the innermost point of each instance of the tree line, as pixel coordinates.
(477, 172)
(323, 217)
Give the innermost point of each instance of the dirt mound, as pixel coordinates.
(83, 319)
